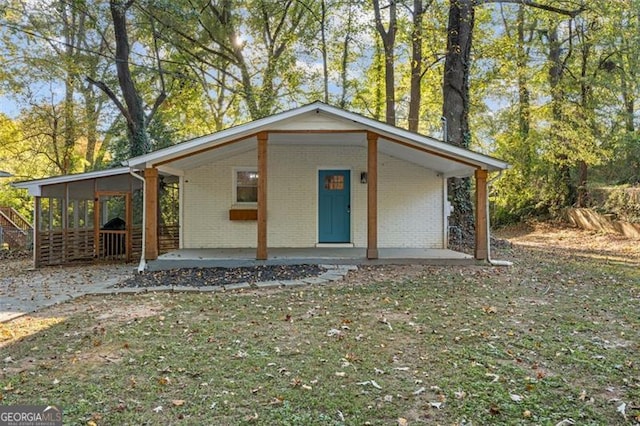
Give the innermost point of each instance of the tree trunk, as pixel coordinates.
(135, 114)
(456, 107)
(323, 41)
(416, 67)
(69, 27)
(586, 106)
(345, 60)
(388, 38)
(565, 191)
(524, 97)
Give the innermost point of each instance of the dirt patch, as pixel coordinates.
(568, 240)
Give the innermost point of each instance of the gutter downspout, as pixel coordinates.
(491, 261)
(143, 263)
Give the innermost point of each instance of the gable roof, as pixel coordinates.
(313, 122)
(317, 119)
(4, 174)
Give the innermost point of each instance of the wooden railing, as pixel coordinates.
(16, 230)
(113, 245)
(16, 218)
(77, 245)
(168, 238)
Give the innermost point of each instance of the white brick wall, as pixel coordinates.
(409, 205)
(409, 200)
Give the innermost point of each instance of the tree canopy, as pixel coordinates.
(549, 86)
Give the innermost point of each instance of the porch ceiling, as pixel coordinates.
(406, 152)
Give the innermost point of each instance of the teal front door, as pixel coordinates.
(334, 206)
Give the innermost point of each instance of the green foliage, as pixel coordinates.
(625, 203)
(224, 63)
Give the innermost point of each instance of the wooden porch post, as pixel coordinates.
(372, 196)
(151, 214)
(37, 236)
(261, 252)
(481, 252)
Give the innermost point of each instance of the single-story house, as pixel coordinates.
(312, 177)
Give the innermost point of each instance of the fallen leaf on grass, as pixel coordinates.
(333, 332)
(419, 391)
(495, 377)
(622, 409)
(435, 405)
(402, 421)
(516, 398)
(370, 382)
(177, 402)
(158, 409)
(277, 400)
(566, 422)
(251, 418)
(386, 322)
(489, 309)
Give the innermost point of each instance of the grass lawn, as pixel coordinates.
(552, 340)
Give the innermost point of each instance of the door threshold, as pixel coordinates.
(335, 245)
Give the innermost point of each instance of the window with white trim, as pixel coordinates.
(245, 186)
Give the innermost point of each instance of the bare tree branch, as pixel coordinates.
(107, 91)
(531, 3)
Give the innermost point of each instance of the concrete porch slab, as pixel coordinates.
(238, 257)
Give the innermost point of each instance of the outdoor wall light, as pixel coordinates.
(363, 177)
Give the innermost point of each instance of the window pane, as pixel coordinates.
(246, 186)
(334, 182)
(247, 178)
(247, 194)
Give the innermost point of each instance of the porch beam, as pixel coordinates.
(151, 214)
(261, 252)
(481, 252)
(372, 195)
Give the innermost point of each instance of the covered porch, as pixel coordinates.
(236, 257)
(395, 185)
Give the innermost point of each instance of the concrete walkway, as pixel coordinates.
(29, 290)
(24, 290)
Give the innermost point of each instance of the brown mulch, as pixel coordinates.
(200, 277)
